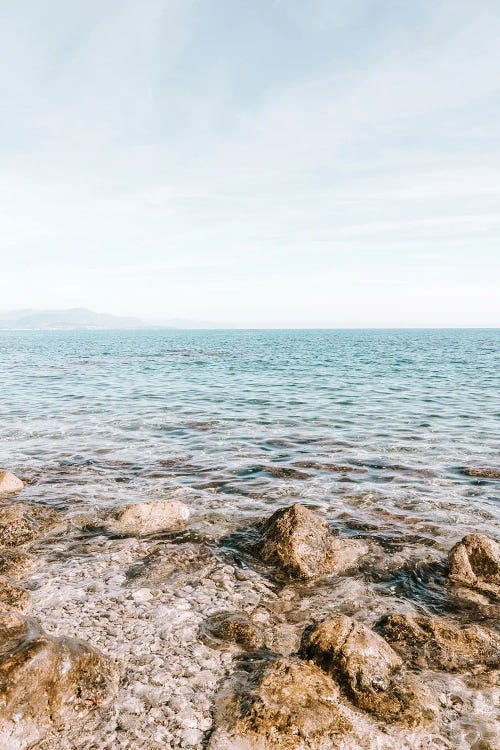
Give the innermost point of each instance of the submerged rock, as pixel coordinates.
(45, 682)
(151, 517)
(482, 473)
(187, 562)
(13, 597)
(475, 562)
(303, 545)
(334, 468)
(369, 671)
(232, 627)
(439, 643)
(21, 523)
(284, 705)
(9, 482)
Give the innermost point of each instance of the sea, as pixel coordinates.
(374, 427)
(376, 430)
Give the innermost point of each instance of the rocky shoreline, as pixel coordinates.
(189, 643)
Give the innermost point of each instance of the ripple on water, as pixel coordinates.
(376, 430)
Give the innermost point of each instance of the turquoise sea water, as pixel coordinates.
(246, 421)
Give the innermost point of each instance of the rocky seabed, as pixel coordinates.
(139, 628)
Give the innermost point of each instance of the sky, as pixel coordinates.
(252, 162)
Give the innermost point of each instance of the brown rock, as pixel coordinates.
(148, 518)
(232, 627)
(369, 671)
(483, 473)
(17, 564)
(303, 545)
(13, 597)
(475, 562)
(438, 643)
(46, 683)
(284, 705)
(9, 483)
(21, 523)
(185, 563)
(334, 468)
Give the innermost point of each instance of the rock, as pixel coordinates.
(186, 562)
(283, 705)
(9, 483)
(21, 523)
(303, 545)
(475, 562)
(16, 564)
(334, 468)
(282, 638)
(152, 517)
(141, 596)
(232, 627)
(13, 597)
(439, 643)
(369, 671)
(46, 683)
(482, 473)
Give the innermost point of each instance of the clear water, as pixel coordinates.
(104, 417)
(371, 428)
(100, 418)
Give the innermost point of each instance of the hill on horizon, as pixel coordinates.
(81, 318)
(73, 318)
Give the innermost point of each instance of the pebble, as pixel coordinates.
(142, 595)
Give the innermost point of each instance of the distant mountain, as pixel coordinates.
(76, 318)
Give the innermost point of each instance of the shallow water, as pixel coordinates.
(104, 417)
(371, 428)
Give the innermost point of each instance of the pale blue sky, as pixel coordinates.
(278, 162)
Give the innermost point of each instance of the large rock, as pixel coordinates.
(439, 643)
(21, 523)
(46, 683)
(140, 519)
(283, 705)
(303, 545)
(369, 671)
(9, 483)
(475, 562)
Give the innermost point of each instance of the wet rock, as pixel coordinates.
(186, 563)
(439, 643)
(482, 473)
(21, 523)
(46, 683)
(368, 670)
(9, 483)
(303, 545)
(17, 564)
(13, 597)
(282, 638)
(282, 705)
(282, 472)
(475, 562)
(333, 468)
(148, 518)
(232, 627)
